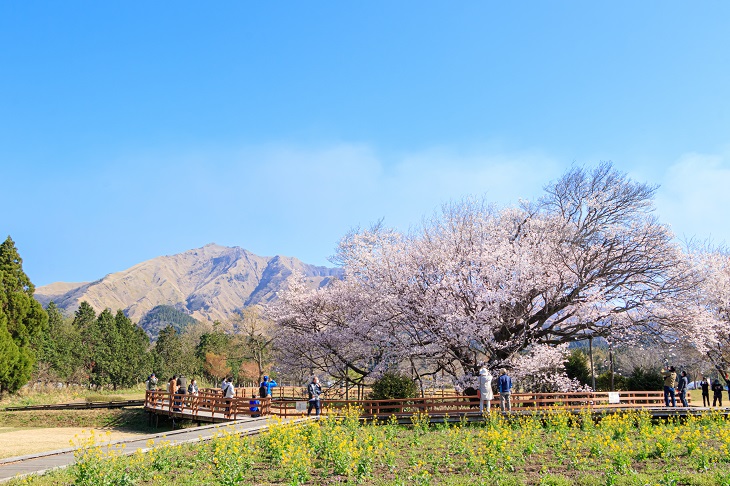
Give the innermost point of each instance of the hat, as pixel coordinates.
(483, 371)
(266, 377)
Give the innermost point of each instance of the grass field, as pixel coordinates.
(626, 449)
(46, 395)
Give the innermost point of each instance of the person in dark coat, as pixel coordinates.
(716, 393)
(705, 385)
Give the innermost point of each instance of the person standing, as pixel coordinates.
(193, 387)
(151, 382)
(705, 385)
(266, 386)
(682, 388)
(504, 387)
(172, 384)
(229, 392)
(485, 390)
(314, 390)
(716, 393)
(726, 379)
(670, 378)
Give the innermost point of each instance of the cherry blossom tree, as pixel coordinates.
(714, 339)
(476, 283)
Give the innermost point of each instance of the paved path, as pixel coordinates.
(13, 467)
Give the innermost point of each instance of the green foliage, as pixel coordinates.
(22, 320)
(171, 357)
(577, 367)
(162, 316)
(392, 385)
(603, 382)
(117, 350)
(216, 342)
(645, 379)
(59, 348)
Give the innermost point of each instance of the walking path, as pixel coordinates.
(14, 467)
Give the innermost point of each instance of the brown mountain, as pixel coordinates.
(208, 283)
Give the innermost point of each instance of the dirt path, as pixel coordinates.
(19, 441)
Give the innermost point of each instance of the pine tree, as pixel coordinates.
(22, 320)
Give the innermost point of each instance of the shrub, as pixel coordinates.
(392, 385)
(603, 382)
(645, 379)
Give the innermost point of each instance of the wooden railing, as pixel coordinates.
(210, 404)
(205, 406)
(466, 404)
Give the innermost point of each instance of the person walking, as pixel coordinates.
(504, 387)
(485, 390)
(670, 379)
(314, 390)
(716, 393)
(705, 385)
(682, 388)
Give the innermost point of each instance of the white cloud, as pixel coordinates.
(694, 197)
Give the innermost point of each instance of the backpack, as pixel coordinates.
(263, 391)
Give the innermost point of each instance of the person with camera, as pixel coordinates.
(670, 380)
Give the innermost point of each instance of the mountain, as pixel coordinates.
(208, 283)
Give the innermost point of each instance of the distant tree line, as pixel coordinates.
(110, 350)
(107, 349)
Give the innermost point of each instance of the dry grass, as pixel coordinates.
(15, 441)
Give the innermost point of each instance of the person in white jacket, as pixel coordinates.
(485, 389)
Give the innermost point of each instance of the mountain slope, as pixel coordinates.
(208, 283)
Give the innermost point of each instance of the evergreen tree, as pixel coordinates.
(59, 347)
(117, 349)
(577, 367)
(171, 357)
(133, 354)
(22, 320)
(85, 324)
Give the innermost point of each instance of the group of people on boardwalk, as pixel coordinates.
(672, 387)
(504, 388)
(177, 384)
(716, 388)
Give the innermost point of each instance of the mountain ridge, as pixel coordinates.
(208, 283)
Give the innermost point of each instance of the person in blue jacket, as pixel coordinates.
(268, 384)
(504, 387)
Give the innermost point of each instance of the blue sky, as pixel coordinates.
(130, 130)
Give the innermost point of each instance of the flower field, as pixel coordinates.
(555, 449)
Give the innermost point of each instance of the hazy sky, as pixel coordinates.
(130, 130)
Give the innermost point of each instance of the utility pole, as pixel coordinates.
(590, 353)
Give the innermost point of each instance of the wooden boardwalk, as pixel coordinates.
(207, 406)
(460, 404)
(210, 406)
